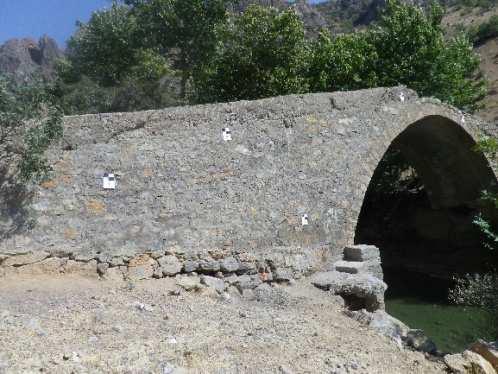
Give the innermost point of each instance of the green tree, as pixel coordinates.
(412, 50)
(186, 28)
(344, 63)
(406, 47)
(109, 69)
(104, 49)
(27, 112)
(261, 53)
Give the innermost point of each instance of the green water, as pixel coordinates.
(451, 327)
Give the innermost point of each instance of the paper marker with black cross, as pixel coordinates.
(227, 134)
(109, 181)
(305, 220)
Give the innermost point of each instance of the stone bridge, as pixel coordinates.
(285, 192)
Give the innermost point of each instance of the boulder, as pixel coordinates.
(468, 362)
(419, 341)
(358, 290)
(388, 325)
(488, 351)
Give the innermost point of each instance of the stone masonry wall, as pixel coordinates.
(182, 190)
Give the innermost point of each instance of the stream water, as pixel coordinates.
(422, 304)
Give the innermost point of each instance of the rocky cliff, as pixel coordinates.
(26, 58)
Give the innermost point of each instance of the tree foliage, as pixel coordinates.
(346, 62)
(261, 53)
(104, 49)
(27, 111)
(406, 47)
(186, 26)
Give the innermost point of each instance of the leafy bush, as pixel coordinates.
(479, 290)
(482, 289)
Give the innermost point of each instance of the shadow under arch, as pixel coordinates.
(426, 227)
(419, 210)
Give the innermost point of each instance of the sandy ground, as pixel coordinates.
(77, 325)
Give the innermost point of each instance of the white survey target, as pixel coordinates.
(304, 220)
(227, 134)
(109, 181)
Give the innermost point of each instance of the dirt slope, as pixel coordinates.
(63, 325)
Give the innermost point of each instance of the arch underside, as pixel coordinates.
(443, 154)
(430, 230)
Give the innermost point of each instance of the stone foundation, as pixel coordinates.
(241, 268)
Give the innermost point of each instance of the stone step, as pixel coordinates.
(348, 267)
(360, 286)
(361, 252)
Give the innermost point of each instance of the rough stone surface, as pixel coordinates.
(190, 266)
(209, 266)
(26, 259)
(170, 265)
(213, 282)
(366, 290)
(190, 283)
(180, 185)
(487, 350)
(229, 265)
(388, 325)
(419, 341)
(468, 362)
(282, 275)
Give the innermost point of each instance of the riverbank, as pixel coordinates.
(69, 324)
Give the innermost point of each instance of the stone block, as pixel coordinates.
(213, 282)
(229, 265)
(170, 265)
(282, 275)
(141, 267)
(49, 266)
(189, 283)
(25, 259)
(115, 274)
(88, 269)
(361, 252)
(190, 266)
(209, 266)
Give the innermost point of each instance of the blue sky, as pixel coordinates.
(33, 18)
(56, 18)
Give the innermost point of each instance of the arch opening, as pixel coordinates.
(419, 210)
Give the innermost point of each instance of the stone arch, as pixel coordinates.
(453, 174)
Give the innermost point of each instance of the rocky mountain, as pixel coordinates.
(26, 58)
